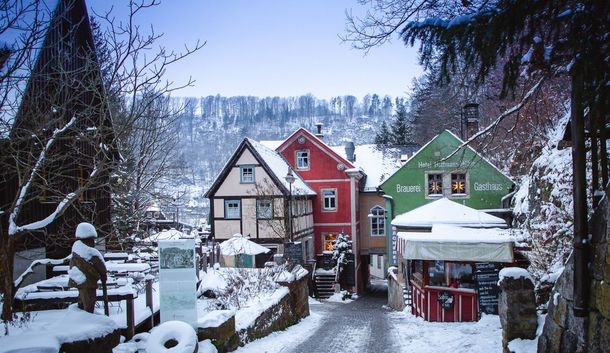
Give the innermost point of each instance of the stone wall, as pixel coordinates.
(396, 299)
(517, 306)
(563, 331)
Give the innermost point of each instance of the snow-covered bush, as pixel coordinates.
(231, 288)
(342, 247)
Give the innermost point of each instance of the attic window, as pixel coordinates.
(303, 159)
(458, 183)
(246, 174)
(435, 184)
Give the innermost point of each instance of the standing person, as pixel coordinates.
(87, 266)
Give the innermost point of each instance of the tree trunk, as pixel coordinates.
(7, 257)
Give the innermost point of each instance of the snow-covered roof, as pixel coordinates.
(272, 144)
(279, 167)
(239, 244)
(168, 234)
(378, 163)
(457, 244)
(445, 211)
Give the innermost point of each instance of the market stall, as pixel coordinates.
(444, 270)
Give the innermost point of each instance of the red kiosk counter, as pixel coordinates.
(452, 272)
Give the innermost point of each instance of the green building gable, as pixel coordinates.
(465, 177)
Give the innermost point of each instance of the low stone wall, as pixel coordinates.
(223, 337)
(102, 344)
(563, 331)
(288, 311)
(396, 299)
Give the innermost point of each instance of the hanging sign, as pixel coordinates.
(446, 300)
(178, 281)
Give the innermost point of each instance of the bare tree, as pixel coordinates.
(59, 147)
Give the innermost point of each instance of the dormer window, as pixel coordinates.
(246, 174)
(303, 159)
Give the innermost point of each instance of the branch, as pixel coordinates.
(499, 119)
(35, 263)
(13, 228)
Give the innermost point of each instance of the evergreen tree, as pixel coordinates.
(383, 135)
(401, 129)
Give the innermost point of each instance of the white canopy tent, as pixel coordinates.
(239, 244)
(445, 211)
(452, 243)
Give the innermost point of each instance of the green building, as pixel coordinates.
(465, 177)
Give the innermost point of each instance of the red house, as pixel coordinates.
(337, 184)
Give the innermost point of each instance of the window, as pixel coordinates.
(435, 184)
(264, 209)
(246, 174)
(303, 159)
(329, 199)
(329, 241)
(458, 183)
(377, 217)
(232, 209)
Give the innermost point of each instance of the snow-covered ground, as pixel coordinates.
(403, 333)
(282, 340)
(416, 335)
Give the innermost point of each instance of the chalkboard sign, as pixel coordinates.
(349, 270)
(487, 286)
(293, 252)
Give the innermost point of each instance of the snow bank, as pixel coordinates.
(49, 329)
(179, 331)
(248, 314)
(214, 318)
(515, 273)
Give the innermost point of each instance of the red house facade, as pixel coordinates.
(337, 185)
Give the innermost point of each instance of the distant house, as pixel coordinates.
(250, 197)
(343, 199)
(465, 177)
(65, 83)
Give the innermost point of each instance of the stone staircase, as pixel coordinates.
(325, 285)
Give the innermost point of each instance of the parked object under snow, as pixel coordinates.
(172, 337)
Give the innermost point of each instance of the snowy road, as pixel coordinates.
(365, 326)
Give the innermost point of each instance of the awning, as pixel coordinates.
(457, 244)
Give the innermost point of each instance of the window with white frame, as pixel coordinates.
(246, 174)
(264, 209)
(233, 209)
(303, 159)
(377, 221)
(329, 199)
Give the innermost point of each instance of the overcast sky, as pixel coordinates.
(275, 48)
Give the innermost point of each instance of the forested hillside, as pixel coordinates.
(209, 129)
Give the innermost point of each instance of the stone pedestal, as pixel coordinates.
(517, 307)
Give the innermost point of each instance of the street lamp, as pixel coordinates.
(290, 178)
